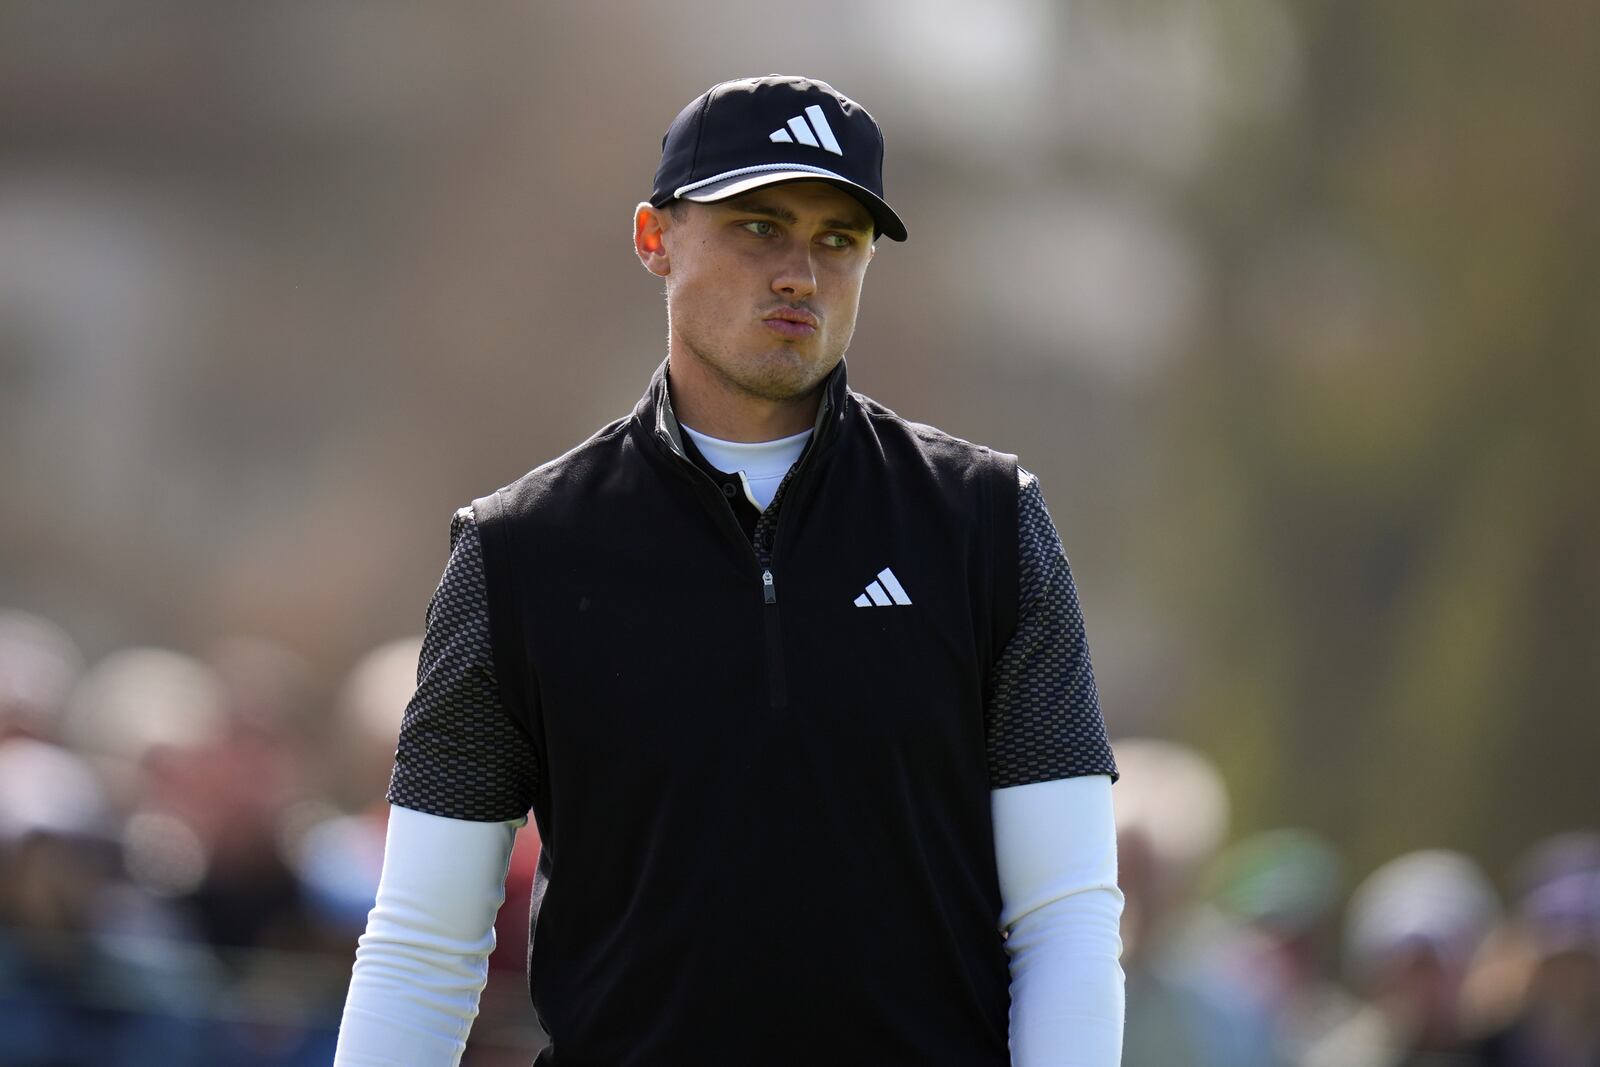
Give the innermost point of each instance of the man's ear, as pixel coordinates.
(650, 225)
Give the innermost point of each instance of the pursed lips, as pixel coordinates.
(791, 322)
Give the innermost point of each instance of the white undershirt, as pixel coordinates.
(424, 958)
(760, 465)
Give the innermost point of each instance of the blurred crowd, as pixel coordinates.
(1258, 953)
(189, 846)
(188, 849)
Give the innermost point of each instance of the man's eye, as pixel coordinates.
(837, 240)
(760, 228)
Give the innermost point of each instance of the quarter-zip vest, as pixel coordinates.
(764, 808)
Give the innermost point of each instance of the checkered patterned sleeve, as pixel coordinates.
(460, 754)
(1042, 717)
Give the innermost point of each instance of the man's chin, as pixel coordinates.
(775, 377)
(776, 371)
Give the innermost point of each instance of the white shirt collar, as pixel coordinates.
(760, 460)
(762, 463)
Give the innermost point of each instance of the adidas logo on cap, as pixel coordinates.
(817, 133)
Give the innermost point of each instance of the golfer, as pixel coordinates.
(796, 690)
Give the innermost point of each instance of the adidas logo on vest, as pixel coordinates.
(817, 134)
(885, 592)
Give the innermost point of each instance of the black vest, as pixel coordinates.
(764, 808)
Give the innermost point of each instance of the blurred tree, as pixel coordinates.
(1384, 522)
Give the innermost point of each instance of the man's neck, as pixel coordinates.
(702, 398)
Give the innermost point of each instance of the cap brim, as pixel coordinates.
(883, 216)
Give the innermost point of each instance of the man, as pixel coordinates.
(797, 691)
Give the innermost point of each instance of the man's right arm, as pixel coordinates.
(424, 958)
(1050, 773)
(463, 782)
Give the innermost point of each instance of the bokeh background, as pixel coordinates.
(1291, 305)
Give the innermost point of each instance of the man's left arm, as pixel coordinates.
(1050, 770)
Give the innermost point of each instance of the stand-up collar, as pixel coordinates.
(654, 410)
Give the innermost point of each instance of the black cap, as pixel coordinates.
(743, 134)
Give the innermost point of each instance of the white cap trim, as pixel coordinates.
(773, 169)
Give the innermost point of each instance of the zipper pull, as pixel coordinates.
(769, 592)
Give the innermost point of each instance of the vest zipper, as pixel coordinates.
(776, 688)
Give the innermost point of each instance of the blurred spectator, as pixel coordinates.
(369, 707)
(75, 988)
(206, 778)
(1557, 1020)
(339, 857)
(1411, 933)
(206, 786)
(267, 687)
(38, 665)
(1172, 815)
(1284, 888)
(134, 708)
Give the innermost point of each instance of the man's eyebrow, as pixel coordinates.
(756, 207)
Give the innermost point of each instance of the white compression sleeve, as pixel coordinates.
(424, 958)
(1056, 852)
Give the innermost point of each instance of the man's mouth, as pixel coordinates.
(792, 323)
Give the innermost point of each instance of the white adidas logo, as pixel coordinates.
(803, 133)
(883, 595)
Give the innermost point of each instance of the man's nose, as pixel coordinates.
(796, 278)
